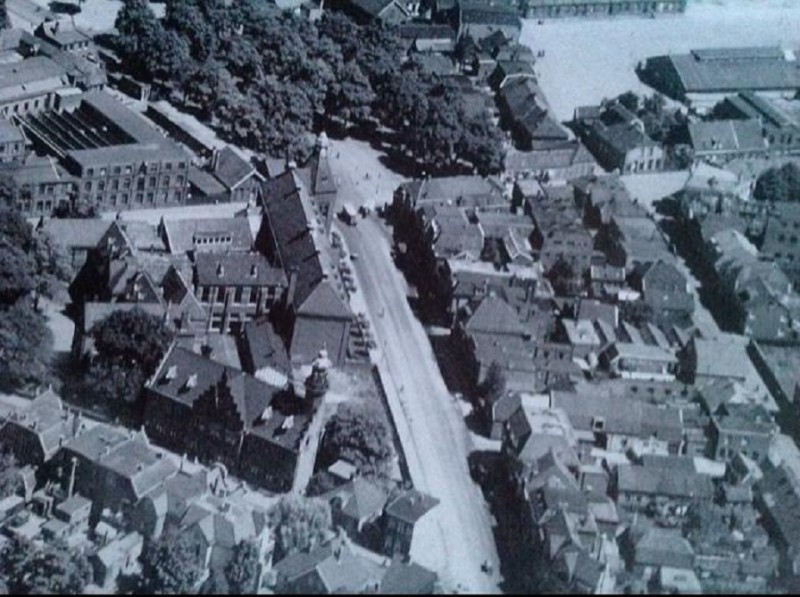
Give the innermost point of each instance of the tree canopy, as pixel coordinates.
(358, 434)
(130, 346)
(779, 184)
(10, 480)
(494, 386)
(173, 564)
(242, 571)
(50, 569)
(265, 78)
(30, 266)
(299, 524)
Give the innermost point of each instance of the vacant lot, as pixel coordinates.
(588, 60)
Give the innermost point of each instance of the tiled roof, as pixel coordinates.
(407, 578)
(496, 316)
(621, 415)
(204, 182)
(755, 69)
(264, 348)
(361, 500)
(664, 548)
(230, 168)
(293, 226)
(181, 234)
(237, 269)
(667, 481)
(411, 505)
(76, 232)
(727, 135)
(32, 76)
(324, 302)
(185, 376)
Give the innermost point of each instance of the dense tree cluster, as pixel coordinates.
(173, 564)
(299, 524)
(242, 571)
(264, 78)
(29, 568)
(779, 184)
(130, 345)
(10, 479)
(358, 434)
(31, 266)
(660, 123)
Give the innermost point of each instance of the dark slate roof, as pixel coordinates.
(372, 7)
(184, 376)
(489, 15)
(292, 222)
(426, 31)
(264, 347)
(408, 578)
(132, 123)
(411, 505)
(204, 182)
(237, 269)
(735, 69)
(324, 302)
(126, 454)
(780, 493)
(231, 169)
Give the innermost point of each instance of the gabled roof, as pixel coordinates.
(411, 505)
(324, 302)
(78, 233)
(664, 480)
(237, 269)
(293, 226)
(231, 169)
(727, 135)
(182, 235)
(263, 347)
(361, 500)
(495, 316)
(407, 578)
(185, 376)
(664, 548)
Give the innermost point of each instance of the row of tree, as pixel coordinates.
(31, 267)
(264, 78)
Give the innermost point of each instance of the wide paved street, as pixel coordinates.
(431, 429)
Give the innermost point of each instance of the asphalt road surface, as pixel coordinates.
(433, 433)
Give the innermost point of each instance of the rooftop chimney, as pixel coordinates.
(254, 270)
(220, 270)
(172, 372)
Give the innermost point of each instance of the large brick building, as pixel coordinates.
(117, 160)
